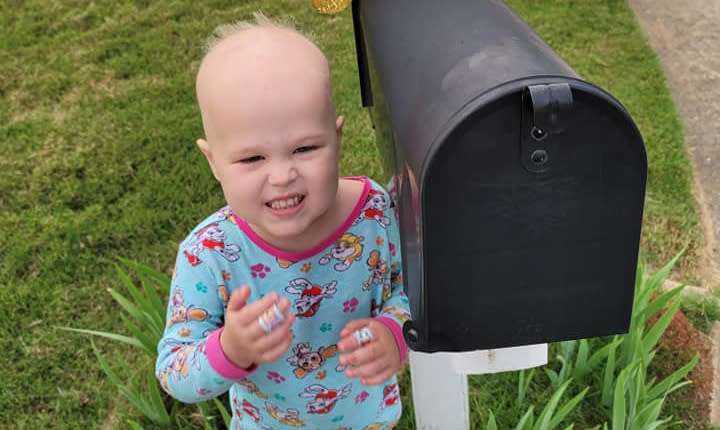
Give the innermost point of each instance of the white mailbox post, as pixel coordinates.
(439, 381)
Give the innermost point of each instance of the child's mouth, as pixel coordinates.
(285, 203)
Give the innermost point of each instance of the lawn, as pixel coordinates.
(98, 123)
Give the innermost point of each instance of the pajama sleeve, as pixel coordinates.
(394, 307)
(191, 366)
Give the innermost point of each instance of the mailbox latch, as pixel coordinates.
(545, 112)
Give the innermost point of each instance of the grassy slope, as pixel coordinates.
(97, 124)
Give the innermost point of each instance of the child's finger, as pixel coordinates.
(354, 325)
(267, 341)
(278, 350)
(361, 356)
(379, 378)
(252, 311)
(367, 370)
(238, 298)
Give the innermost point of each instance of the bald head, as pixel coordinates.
(256, 68)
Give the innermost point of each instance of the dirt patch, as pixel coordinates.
(680, 342)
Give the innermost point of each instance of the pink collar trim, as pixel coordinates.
(297, 256)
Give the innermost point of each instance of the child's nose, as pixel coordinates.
(282, 173)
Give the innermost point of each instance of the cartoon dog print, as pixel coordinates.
(185, 355)
(378, 269)
(391, 395)
(373, 209)
(254, 413)
(290, 418)
(398, 312)
(347, 250)
(226, 214)
(182, 313)
(323, 399)
(310, 295)
(252, 387)
(212, 238)
(305, 360)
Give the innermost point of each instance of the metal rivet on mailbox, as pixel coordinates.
(539, 156)
(538, 134)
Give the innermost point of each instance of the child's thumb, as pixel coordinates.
(238, 298)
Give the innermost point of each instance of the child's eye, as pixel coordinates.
(253, 159)
(306, 148)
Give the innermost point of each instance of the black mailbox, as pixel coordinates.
(520, 186)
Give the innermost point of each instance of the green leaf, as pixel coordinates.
(653, 335)
(609, 376)
(618, 415)
(160, 277)
(147, 343)
(603, 352)
(491, 425)
(543, 422)
(134, 425)
(118, 337)
(655, 281)
(567, 408)
(132, 289)
(129, 307)
(660, 302)
(150, 291)
(581, 362)
(526, 420)
(223, 411)
(662, 387)
(156, 400)
(647, 414)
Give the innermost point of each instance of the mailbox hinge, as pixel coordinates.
(545, 113)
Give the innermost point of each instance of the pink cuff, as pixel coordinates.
(219, 361)
(397, 332)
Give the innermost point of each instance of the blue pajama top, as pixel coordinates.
(354, 273)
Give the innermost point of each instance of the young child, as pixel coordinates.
(291, 296)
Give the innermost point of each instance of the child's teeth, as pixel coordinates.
(282, 204)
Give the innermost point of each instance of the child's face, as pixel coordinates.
(275, 152)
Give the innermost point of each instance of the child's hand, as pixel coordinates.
(244, 341)
(376, 361)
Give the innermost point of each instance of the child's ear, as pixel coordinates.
(339, 122)
(205, 149)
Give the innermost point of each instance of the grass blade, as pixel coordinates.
(653, 335)
(156, 400)
(567, 408)
(491, 425)
(663, 386)
(118, 337)
(223, 411)
(618, 409)
(524, 420)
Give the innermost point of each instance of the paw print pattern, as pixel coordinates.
(280, 397)
(306, 267)
(201, 287)
(325, 327)
(379, 241)
(338, 418)
(321, 375)
(276, 377)
(184, 332)
(361, 397)
(226, 275)
(258, 270)
(350, 305)
(392, 249)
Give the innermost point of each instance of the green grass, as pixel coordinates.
(98, 122)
